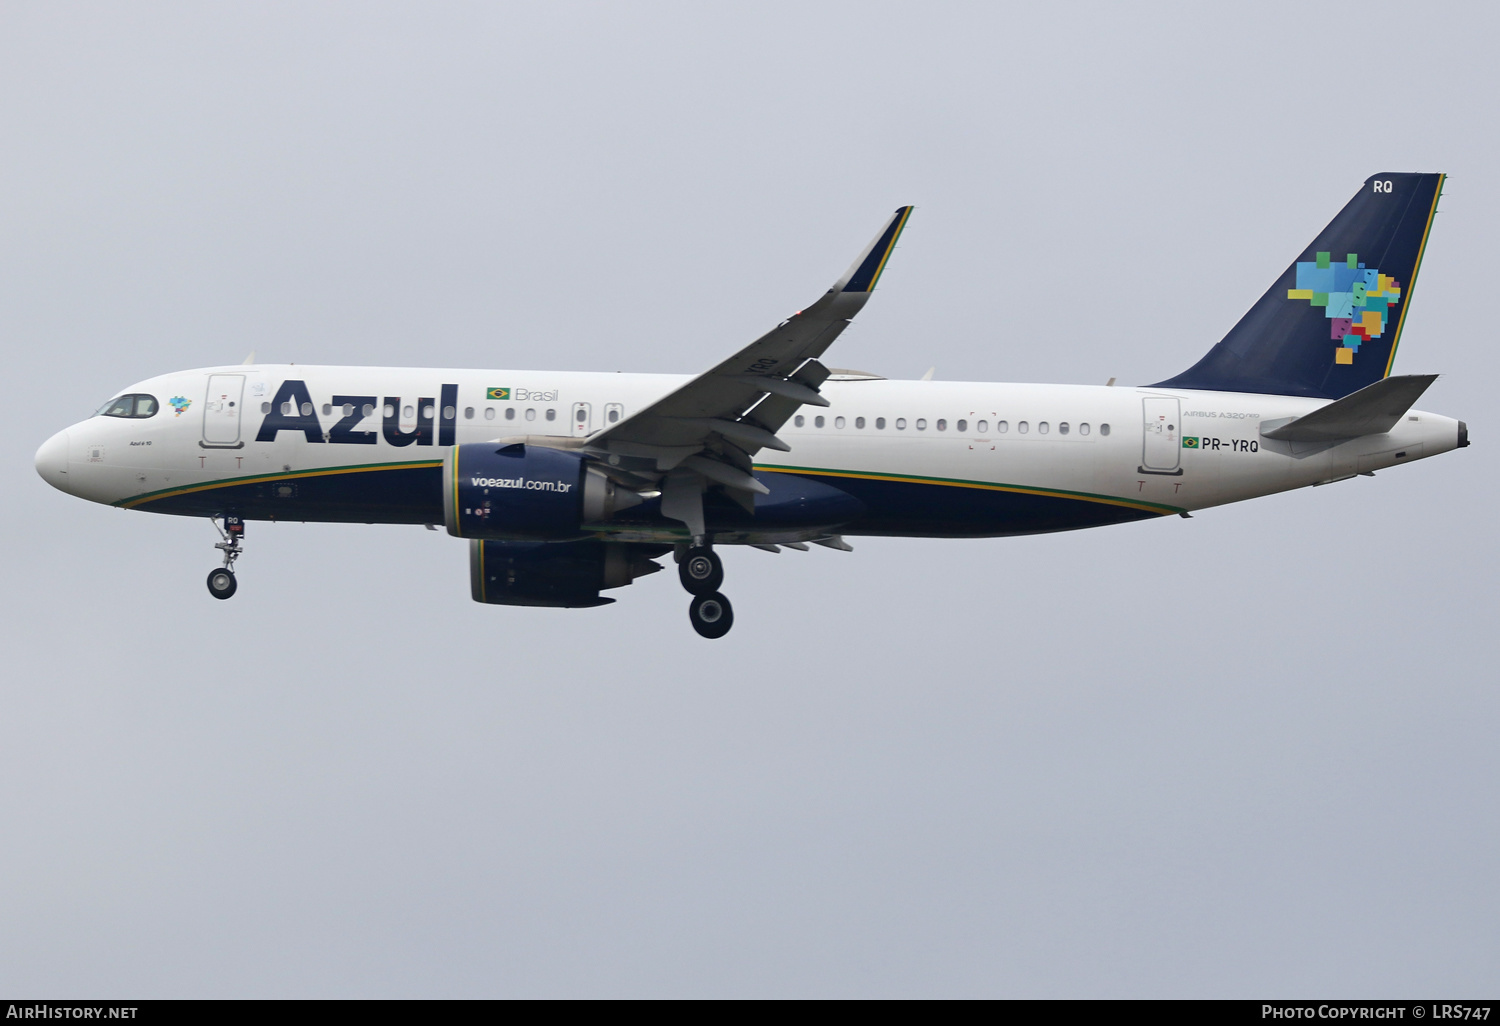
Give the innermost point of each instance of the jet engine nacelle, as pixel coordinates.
(569, 574)
(525, 492)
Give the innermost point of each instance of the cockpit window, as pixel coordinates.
(134, 406)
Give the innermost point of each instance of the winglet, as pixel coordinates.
(865, 272)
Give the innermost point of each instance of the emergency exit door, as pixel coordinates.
(583, 419)
(222, 406)
(1161, 451)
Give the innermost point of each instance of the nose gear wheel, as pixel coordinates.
(221, 582)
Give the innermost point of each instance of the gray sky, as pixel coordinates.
(1251, 753)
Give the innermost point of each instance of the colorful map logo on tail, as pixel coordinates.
(1357, 300)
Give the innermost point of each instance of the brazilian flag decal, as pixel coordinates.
(1190, 441)
(497, 393)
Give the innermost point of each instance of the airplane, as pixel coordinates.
(566, 485)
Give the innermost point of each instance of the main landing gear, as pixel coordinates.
(221, 582)
(702, 573)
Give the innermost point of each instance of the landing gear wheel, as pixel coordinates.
(712, 615)
(701, 572)
(221, 583)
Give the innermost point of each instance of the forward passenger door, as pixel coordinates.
(221, 411)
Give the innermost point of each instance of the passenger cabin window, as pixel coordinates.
(367, 409)
(510, 413)
(468, 413)
(551, 414)
(800, 420)
(613, 415)
(942, 425)
(859, 422)
(879, 423)
(921, 423)
(132, 407)
(900, 423)
(818, 422)
(962, 425)
(1083, 428)
(1042, 428)
(1002, 426)
(1104, 430)
(1023, 427)
(531, 415)
(981, 426)
(838, 422)
(1062, 428)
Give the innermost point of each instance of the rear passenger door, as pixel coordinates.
(1161, 450)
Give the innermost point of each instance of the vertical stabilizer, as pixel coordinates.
(1331, 323)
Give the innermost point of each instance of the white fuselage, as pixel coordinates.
(1146, 449)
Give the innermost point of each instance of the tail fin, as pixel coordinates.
(1331, 323)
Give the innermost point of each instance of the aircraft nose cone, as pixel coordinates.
(52, 461)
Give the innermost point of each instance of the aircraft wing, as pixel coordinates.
(711, 426)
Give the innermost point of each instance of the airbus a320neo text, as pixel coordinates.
(567, 485)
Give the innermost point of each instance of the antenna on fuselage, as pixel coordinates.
(249, 359)
(928, 375)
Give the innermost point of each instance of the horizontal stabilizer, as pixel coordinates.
(1372, 410)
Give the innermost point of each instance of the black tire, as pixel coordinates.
(712, 615)
(701, 572)
(221, 583)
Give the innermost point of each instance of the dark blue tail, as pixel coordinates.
(1331, 323)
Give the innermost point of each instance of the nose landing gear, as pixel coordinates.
(221, 581)
(702, 572)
